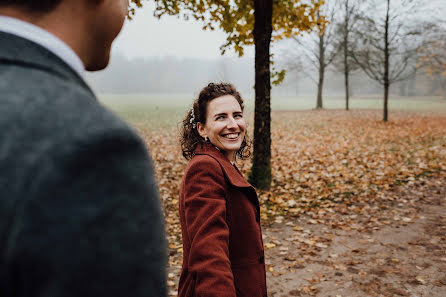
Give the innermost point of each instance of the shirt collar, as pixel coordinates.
(43, 38)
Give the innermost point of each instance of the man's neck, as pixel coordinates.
(53, 22)
(42, 37)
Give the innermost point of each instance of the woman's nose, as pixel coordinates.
(232, 123)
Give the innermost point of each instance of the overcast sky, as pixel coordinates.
(148, 36)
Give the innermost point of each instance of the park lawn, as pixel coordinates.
(167, 110)
(321, 159)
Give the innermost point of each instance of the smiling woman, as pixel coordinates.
(216, 118)
(224, 125)
(219, 210)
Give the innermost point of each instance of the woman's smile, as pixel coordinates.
(231, 136)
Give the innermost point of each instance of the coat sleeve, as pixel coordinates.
(94, 225)
(205, 216)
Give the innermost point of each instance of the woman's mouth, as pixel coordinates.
(231, 136)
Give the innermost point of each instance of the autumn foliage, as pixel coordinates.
(321, 160)
(236, 18)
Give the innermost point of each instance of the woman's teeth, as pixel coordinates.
(231, 136)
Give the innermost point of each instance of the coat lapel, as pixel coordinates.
(234, 176)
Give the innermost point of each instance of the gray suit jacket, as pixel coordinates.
(79, 208)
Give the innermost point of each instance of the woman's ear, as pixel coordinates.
(201, 130)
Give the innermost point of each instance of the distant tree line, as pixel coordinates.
(176, 75)
(392, 42)
(169, 74)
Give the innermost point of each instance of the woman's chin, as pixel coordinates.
(231, 145)
(231, 148)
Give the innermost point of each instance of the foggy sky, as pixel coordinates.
(148, 36)
(174, 55)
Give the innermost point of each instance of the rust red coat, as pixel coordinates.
(220, 221)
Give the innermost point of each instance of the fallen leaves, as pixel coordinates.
(338, 169)
(318, 164)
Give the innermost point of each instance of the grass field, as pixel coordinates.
(166, 110)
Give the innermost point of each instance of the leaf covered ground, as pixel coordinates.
(337, 175)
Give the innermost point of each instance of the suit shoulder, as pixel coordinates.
(51, 102)
(56, 117)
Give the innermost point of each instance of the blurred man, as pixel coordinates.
(79, 209)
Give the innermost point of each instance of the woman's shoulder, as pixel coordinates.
(204, 162)
(205, 170)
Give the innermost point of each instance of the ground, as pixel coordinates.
(399, 249)
(399, 252)
(356, 208)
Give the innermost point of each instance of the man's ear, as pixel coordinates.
(201, 130)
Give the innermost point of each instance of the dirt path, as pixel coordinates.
(399, 250)
(391, 246)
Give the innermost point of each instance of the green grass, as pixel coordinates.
(361, 102)
(149, 109)
(167, 110)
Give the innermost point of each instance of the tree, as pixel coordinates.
(261, 164)
(249, 22)
(387, 44)
(344, 63)
(317, 49)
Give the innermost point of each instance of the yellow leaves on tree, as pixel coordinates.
(433, 58)
(432, 55)
(236, 18)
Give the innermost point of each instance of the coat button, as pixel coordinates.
(261, 259)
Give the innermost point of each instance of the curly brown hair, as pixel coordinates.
(190, 137)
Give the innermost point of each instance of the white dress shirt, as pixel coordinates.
(43, 38)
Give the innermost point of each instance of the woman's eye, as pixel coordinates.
(238, 115)
(219, 118)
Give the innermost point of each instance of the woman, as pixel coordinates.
(219, 210)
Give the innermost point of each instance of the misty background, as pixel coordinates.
(171, 55)
(189, 75)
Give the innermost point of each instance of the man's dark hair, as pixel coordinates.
(32, 5)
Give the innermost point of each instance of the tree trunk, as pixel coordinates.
(386, 101)
(386, 64)
(347, 91)
(346, 68)
(261, 163)
(320, 84)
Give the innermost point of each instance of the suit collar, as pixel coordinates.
(232, 173)
(44, 38)
(16, 50)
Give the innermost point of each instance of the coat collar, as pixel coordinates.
(232, 173)
(15, 50)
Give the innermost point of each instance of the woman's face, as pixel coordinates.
(225, 126)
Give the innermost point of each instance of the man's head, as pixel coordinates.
(87, 26)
